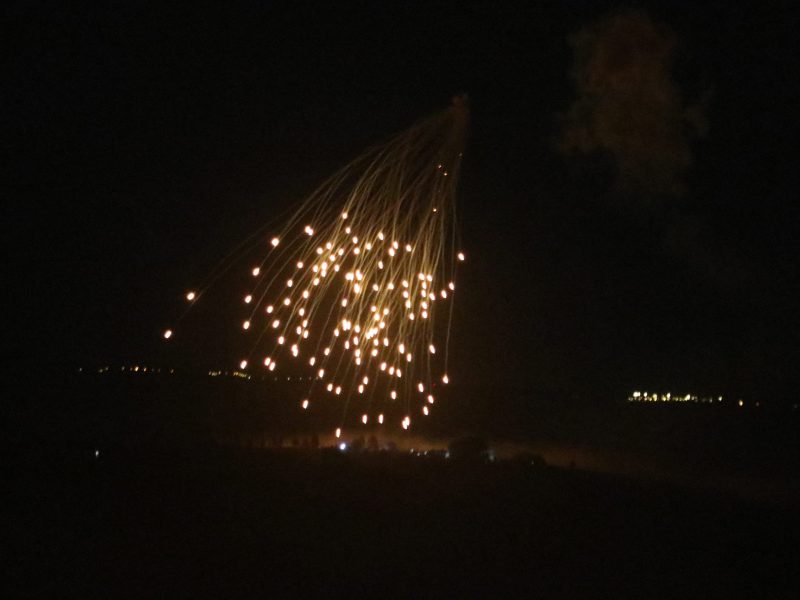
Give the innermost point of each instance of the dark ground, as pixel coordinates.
(220, 522)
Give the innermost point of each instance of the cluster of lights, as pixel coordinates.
(351, 287)
(669, 397)
(130, 369)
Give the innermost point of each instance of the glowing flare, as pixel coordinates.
(191, 296)
(168, 334)
(274, 241)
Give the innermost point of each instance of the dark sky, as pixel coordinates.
(147, 141)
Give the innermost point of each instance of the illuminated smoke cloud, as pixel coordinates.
(629, 106)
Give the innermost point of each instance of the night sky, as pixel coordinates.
(147, 141)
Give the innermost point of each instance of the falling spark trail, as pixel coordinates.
(352, 277)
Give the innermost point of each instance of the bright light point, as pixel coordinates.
(321, 373)
(338, 390)
(361, 388)
(275, 323)
(430, 399)
(445, 379)
(281, 339)
(380, 418)
(272, 366)
(289, 283)
(432, 349)
(327, 351)
(243, 364)
(364, 419)
(311, 361)
(342, 446)
(267, 361)
(248, 299)
(408, 247)
(300, 264)
(329, 387)
(191, 296)
(344, 215)
(461, 256)
(338, 432)
(308, 230)
(270, 308)
(246, 325)
(741, 402)
(420, 387)
(256, 271)
(408, 357)
(274, 241)
(451, 285)
(443, 294)
(425, 410)
(305, 404)
(168, 334)
(287, 301)
(393, 395)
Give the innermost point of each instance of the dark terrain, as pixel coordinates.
(157, 513)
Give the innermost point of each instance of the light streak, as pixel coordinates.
(366, 252)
